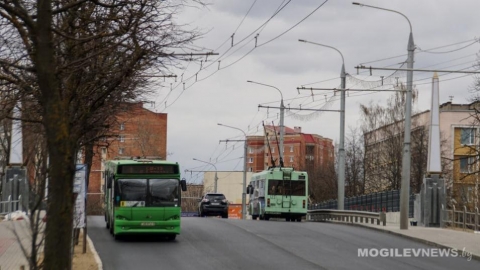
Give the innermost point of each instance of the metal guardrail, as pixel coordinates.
(346, 216)
(385, 201)
(461, 219)
(7, 207)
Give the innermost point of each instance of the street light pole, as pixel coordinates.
(341, 150)
(216, 178)
(405, 187)
(282, 112)
(244, 185)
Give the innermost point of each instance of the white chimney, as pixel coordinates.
(297, 129)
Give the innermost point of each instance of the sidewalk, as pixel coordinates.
(438, 237)
(11, 254)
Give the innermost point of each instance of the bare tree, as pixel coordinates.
(383, 134)
(71, 60)
(190, 197)
(323, 183)
(354, 166)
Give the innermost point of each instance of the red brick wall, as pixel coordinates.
(145, 134)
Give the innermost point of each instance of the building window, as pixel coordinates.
(250, 160)
(104, 151)
(121, 138)
(121, 151)
(291, 159)
(250, 150)
(466, 163)
(467, 136)
(469, 192)
(122, 126)
(291, 148)
(250, 169)
(273, 150)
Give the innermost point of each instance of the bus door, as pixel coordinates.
(287, 189)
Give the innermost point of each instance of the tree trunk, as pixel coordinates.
(58, 231)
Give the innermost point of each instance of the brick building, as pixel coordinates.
(139, 132)
(301, 151)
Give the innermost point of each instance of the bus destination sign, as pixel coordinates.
(148, 169)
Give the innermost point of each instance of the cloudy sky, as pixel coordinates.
(445, 34)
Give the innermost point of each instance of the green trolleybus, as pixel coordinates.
(278, 193)
(143, 196)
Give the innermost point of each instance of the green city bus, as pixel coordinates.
(142, 196)
(278, 192)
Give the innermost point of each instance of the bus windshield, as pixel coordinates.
(148, 192)
(286, 187)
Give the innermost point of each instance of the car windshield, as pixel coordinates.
(148, 192)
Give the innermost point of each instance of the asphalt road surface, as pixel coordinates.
(223, 244)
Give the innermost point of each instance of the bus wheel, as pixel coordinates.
(266, 217)
(171, 237)
(287, 219)
(111, 229)
(299, 219)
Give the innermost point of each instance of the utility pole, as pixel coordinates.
(341, 150)
(244, 184)
(216, 178)
(405, 186)
(282, 113)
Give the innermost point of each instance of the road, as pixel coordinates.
(223, 244)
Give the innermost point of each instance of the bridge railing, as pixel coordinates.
(461, 218)
(346, 216)
(9, 206)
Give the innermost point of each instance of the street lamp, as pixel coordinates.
(244, 185)
(404, 200)
(216, 178)
(341, 150)
(282, 110)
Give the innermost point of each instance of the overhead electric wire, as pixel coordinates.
(252, 48)
(288, 30)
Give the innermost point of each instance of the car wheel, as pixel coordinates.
(225, 216)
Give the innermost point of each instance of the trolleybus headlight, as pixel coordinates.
(268, 202)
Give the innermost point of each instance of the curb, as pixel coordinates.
(419, 240)
(95, 254)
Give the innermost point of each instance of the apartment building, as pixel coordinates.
(139, 132)
(300, 150)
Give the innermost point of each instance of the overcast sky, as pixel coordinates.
(362, 34)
